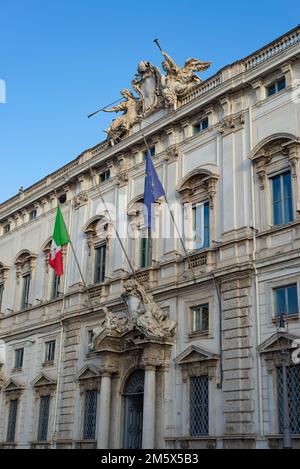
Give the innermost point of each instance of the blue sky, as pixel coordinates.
(62, 59)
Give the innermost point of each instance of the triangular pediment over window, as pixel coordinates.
(43, 380)
(277, 342)
(88, 372)
(12, 385)
(195, 354)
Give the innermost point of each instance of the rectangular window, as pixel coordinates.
(6, 229)
(199, 425)
(200, 318)
(1, 294)
(50, 351)
(201, 225)
(25, 292)
(55, 287)
(152, 151)
(293, 385)
(12, 421)
(105, 176)
(100, 258)
(32, 215)
(286, 300)
(276, 87)
(43, 418)
(146, 250)
(19, 354)
(90, 413)
(202, 125)
(282, 199)
(90, 337)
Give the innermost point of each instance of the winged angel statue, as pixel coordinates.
(155, 91)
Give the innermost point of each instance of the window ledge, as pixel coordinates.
(48, 364)
(200, 335)
(17, 370)
(276, 228)
(288, 317)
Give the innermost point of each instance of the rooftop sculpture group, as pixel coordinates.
(155, 91)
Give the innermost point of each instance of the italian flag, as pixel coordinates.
(60, 238)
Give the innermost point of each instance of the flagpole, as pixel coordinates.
(174, 221)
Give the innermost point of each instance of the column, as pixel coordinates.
(104, 411)
(149, 408)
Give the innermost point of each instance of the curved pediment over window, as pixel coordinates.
(273, 144)
(135, 206)
(199, 183)
(4, 269)
(24, 262)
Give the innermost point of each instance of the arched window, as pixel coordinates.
(276, 165)
(25, 264)
(98, 236)
(198, 191)
(141, 246)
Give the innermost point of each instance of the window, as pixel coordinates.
(1, 294)
(90, 412)
(201, 225)
(276, 87)
(200, 318)
(25, 292)
(282, 199)
(55, 287)
(199, 406)
(62, 198)
(286, 300)
(293, 385)
(12, 420)
(32, 215)
(104, 176)
(6, 229)
(43, 418)
(146, 250)
(202, 125)
(19, 354)
(152, 151)
(100, 257)
(90, 337)
(50, 351)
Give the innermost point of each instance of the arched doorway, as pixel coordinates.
(133, 410)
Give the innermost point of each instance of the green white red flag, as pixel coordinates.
(60, 238)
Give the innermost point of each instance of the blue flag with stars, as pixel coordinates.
(153, 190)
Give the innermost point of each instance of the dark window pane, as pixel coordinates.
(271, 90)
(19, 354)
(25, 292)
(50, 351)
(199, 411)
(12, 420)
(206, 225)
(293, 384)
(100, 258)
(1, 294)
(281, 84)
(292, 299)
(287, 194)
(280, 301)
(43, 418)
(90, 411)
(204, 124)
(146, 251)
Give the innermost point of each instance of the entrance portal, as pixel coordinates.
(134, 401)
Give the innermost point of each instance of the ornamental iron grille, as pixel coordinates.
(90, 412)
(293, 385)
(43, 418)
(12, 420)
(199, 406)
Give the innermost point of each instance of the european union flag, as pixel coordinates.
(153, 190)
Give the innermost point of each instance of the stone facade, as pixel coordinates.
(127, 345)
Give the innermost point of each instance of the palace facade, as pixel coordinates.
(186, 349)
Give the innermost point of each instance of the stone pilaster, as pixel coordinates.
(68, 383)
(238, 383)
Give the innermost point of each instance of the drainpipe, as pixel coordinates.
(259, 397)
